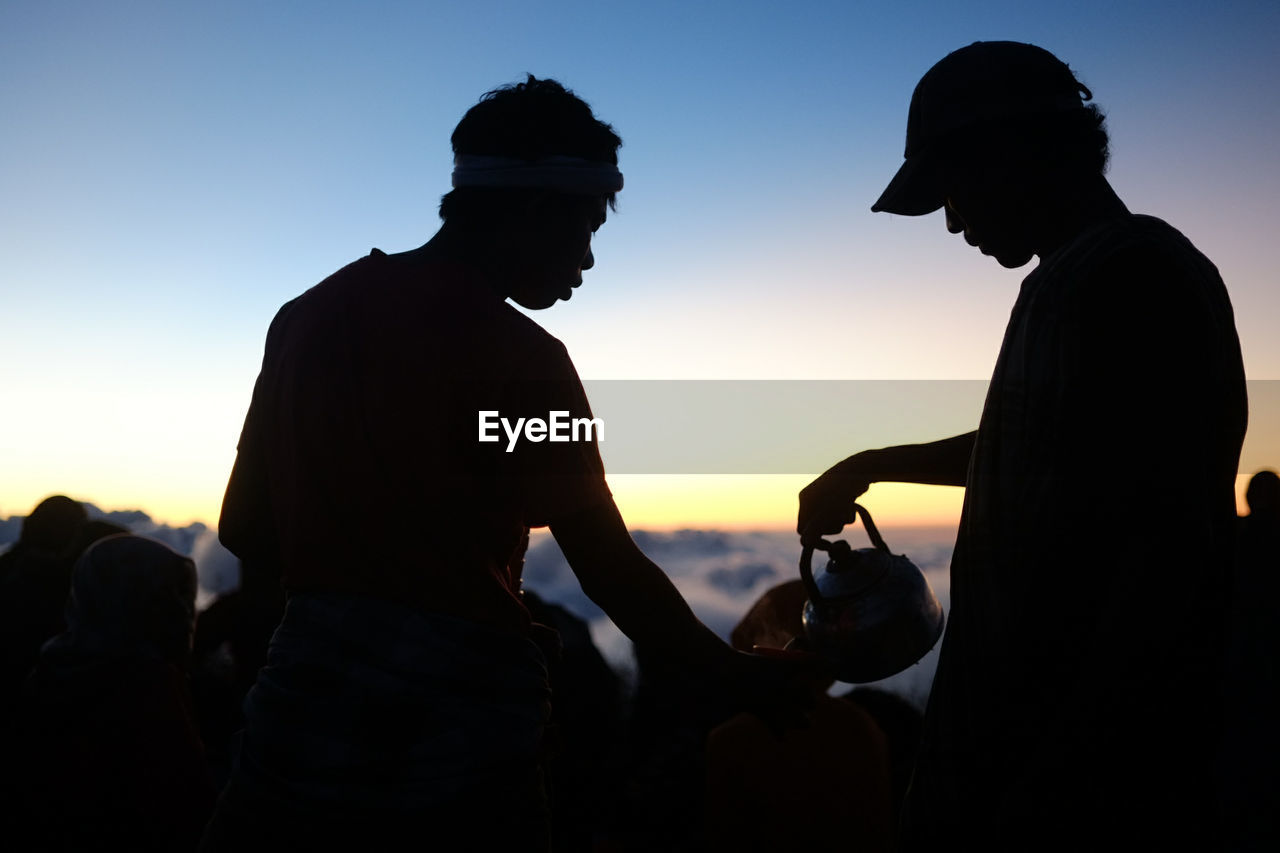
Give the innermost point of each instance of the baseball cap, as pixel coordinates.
(983, 84)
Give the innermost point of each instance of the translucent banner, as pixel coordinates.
(804, 426)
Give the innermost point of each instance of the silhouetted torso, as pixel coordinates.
(1083, 606)
(363, 431)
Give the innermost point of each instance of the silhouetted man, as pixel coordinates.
(403, 693)
(1076, 694)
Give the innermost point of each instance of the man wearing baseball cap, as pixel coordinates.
(1076, 696)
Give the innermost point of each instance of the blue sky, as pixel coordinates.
(170, 173)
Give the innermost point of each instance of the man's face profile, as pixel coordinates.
(990, 206)
(557, 249)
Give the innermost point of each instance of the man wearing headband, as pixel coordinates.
(1075, 697)
(404, 691)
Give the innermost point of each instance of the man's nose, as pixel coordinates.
(954, 223)
(589, 260)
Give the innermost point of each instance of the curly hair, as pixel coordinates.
(1072, 142)
(529, 121)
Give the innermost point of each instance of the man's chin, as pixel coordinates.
(537, 303)
(544, 297)
(566, 292)
(1012, 262)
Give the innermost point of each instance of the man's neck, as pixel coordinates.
(464, 247)
(1077, 206)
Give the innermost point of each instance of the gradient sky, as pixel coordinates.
(171, 172)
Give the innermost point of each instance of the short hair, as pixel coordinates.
(52, 526)
(1263, 493)
(529, 121)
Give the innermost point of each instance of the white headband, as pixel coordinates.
(564, 174)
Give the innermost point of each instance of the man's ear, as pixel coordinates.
(540, 203)
(533, 212)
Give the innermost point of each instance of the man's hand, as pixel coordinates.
(827, 504)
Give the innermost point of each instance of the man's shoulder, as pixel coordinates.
(1136, 254)
(1154, 234)
(384, 303)
(1141, 283)
(363, 275)
(352, 276)
(1138, 238)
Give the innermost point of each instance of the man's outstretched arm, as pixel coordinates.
(641, 600)
(635, 593)
(826, 504)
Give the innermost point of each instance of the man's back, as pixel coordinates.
(364, 426)
(1089, 577)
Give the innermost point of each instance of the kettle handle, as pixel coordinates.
(876, 539)
(806, 569)
(806, 552)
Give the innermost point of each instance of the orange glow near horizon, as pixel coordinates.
(764, 502)
(649, 502)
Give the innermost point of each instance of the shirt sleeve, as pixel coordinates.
(245, 525)
(555, 461)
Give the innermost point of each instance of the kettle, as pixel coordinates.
(870, 613)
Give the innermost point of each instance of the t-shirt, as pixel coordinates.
(1076, 688)
(360, 467)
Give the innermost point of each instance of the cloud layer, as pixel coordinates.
(719, 573)
(217, 568)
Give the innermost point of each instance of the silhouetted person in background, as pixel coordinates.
(103, 753)
(91, 531)
(1262, 497)
(1250, 766)
(1060, 715)
(35, 574)
(824, 783)
(403, 695)
(51, 527)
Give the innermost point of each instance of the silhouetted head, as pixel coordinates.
(535, 170)
(995, 132)
(130, 596)
(774, 620)
(1263, 494)
(92, 531)
(53, 525)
